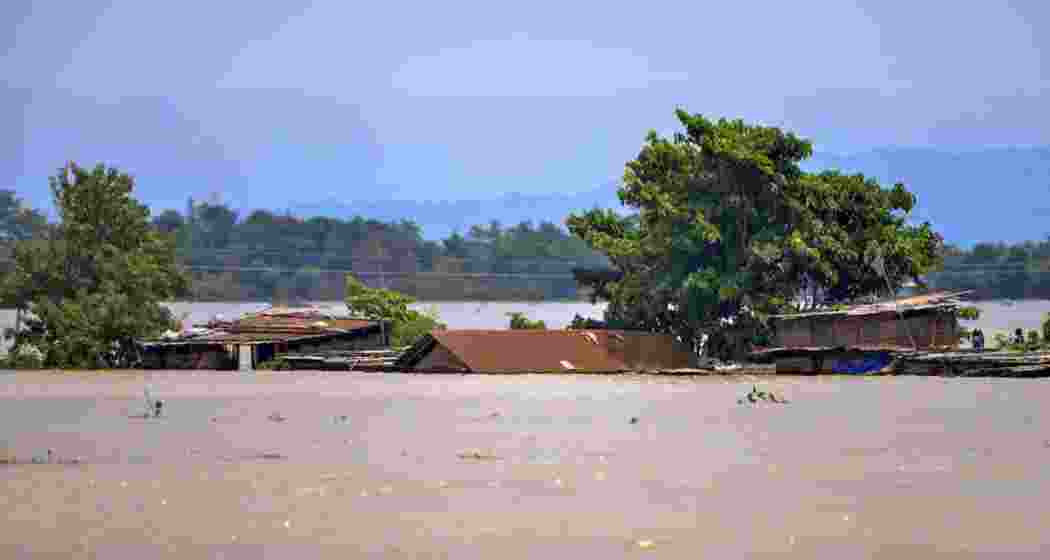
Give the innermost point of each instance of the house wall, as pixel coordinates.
(928, 330)
(371, 341)
(440, 359)
(795, 364)
(834, 363)
(187, 357)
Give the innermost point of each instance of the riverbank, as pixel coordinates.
(615, 466)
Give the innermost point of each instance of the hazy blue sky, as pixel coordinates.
(268, 104)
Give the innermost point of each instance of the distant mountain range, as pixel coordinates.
(990, 194)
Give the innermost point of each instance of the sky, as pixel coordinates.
(264, 104)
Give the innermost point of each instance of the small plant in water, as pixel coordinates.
(27, 356)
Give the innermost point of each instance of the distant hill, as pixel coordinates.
(991, 194)
(439, 219)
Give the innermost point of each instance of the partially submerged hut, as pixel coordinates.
(545, 351)
(255, 338)
(862, 338)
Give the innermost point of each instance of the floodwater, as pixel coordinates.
(997, 315)
(448, 466)
(457, 314)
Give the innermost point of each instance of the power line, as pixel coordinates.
(383, 274)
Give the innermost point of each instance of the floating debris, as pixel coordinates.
(341, 419)
(634, 420)
(276, 417)
(756, 396)
(645, 543)
(271, 456)
(320, 491)
(477, 455)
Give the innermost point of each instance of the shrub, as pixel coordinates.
(518, 321)
(276, 364)
(580, 322)
(415, 325)
(969, 313)
(26, 356)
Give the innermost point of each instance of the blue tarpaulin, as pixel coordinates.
(869, 364)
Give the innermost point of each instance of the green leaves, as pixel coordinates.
(729, 227)
(407, 325)
(97, 282)
(518, 321)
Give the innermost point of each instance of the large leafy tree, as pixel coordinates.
(728, 228)
(96, 283)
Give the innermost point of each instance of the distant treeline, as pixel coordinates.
(268, 256)
(998, 270)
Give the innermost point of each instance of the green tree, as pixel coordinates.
(96, 284)
(518, 321)
(215, 224)
(169, 221)
(387, 306)
(729, 229)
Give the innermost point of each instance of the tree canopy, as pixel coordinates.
(729, 229)
(406, 325)
(96, 282)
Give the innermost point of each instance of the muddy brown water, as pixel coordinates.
(522, 466)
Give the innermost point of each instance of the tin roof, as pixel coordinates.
(938, 300)
(272, 325)
(519, 351)
(769, 353)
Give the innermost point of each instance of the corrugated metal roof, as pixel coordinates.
(273, 325)
(805, 350)
(500, 351)
(909, 304)
(517, 351)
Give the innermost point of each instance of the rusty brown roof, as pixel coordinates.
(519, 351)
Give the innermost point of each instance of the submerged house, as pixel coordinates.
(255, 338)
(862, 338)
(545, 351)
